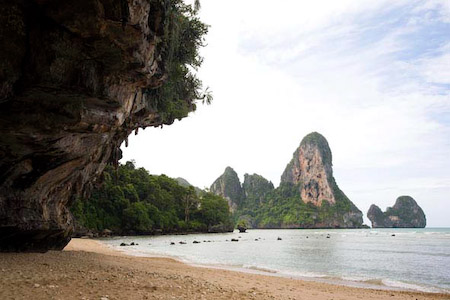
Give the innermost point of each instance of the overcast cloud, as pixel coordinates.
(372, 76)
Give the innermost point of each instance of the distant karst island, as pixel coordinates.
(308, 196)
(405, 213)
(131, 201)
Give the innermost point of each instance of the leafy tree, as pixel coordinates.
(184, 36)
(136, 217)
(132, 200)
(190, 202)
(214, 210)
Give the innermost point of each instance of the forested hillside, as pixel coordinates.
(130, 200)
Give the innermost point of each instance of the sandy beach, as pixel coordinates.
(87, 269)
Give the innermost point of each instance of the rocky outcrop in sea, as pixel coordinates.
(311, 169)
(405, 213)
(307, 185)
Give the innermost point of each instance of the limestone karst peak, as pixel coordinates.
(405, 213)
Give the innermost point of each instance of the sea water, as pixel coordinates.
(408, 259)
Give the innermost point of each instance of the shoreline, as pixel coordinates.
(88, 269)
(372, 284)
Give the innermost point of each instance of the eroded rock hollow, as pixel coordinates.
(74, 76)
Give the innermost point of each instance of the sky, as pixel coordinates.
(373, 77)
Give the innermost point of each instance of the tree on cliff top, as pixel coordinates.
(184, 37)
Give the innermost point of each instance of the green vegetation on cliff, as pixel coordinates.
(184, 35)
(308, 196)
(228, 186)
(77, 79)
(319, 141)
(283, 208)
(405, 213)
(130, 200)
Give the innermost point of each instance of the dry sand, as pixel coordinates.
(87, 269)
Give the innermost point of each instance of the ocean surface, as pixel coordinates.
(405, 259)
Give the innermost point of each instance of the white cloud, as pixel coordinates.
(436, 69)
(351, 70)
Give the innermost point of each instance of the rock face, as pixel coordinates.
(311, 167)
(308, 196)
(73, 82)
(376, 216)
(311, 170)
(256, 187)
(228, 186)
(405, 213)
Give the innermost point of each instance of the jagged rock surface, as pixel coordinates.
(311, 166)
(405, 213)
(229, 186)
(308, 196)
(72, 82)
(256, 187)
(311, 169)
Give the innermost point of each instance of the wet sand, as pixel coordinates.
(87, 269)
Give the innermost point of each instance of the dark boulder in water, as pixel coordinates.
(242, 229)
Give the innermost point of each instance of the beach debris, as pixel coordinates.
(278, 239)
(234, 240)
(36, 285)
(393, 235)
(196, 242)
(182, 243)
(172, 243)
